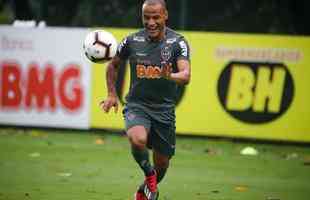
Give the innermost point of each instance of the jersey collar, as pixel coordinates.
(149, 39)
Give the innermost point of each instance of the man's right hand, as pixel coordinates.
(166, 70)
(111, 101)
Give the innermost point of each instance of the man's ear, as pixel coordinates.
(166, 14)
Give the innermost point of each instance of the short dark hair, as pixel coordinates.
(161, 2)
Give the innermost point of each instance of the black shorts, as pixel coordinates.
(161, 133)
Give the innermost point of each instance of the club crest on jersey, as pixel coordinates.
(166, 53)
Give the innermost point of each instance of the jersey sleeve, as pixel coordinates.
(182, 49)
(123, 49)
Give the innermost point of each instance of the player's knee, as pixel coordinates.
(138, 140)
(137, 136)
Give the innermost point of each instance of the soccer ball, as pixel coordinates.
(99, 46)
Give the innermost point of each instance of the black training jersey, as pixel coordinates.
(146, 59)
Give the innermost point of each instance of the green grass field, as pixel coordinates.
(72, 165)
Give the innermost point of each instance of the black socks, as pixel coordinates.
(142, 158)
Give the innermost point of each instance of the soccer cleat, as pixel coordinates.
(150, 187)
(150, 195)
(139, 195)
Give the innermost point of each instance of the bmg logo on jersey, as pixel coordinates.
(152, 72)
(255, 92)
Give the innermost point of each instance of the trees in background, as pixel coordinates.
(255, 16)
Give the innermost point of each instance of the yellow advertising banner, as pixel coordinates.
(242, 85)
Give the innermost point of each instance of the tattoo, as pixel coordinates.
(111, 75)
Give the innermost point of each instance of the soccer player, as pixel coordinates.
(159, 63)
